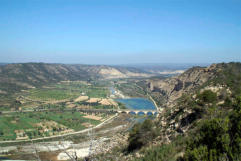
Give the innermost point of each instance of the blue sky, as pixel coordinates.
(120, 31)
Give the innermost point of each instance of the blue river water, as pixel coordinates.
(137, 103)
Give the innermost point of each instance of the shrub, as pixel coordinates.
(141, 134)
(208, 96)
(218, 139)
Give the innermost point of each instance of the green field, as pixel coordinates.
(27, 122)
(66, 91)
(72, 120)
(51, 123)
(7, 127)
(91, 90)
(52, 94)
(61, 95)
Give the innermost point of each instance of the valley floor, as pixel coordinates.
(97, 140)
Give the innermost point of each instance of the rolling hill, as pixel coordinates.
(14, 77)
(22, 76)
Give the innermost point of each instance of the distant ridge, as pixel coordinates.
(14, 77)
(2, 64)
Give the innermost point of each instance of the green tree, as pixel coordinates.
(208, 96)
(1, 132)
(141, 134)
(235, 128)
(218, 139)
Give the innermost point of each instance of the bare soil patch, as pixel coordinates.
(87, 124)
(93, 117)
(81, 98)
(93, 100)
(108, 102)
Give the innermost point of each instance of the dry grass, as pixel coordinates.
(93, 100)
(93, 117)
(81, 98)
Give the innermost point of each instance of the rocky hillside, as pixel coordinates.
(109, 72)
(202, 117)
(14, 77)
(200, 122)
(173, 88)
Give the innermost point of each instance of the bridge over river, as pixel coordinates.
(89, 110)
(128, 111)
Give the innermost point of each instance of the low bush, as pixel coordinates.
(141, 134)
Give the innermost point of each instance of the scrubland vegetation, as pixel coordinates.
(204, 125)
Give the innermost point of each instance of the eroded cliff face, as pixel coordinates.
(110, 73)
(173, 88)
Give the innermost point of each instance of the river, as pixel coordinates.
(137, 103)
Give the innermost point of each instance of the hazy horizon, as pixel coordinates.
(122, 64)
(120, 32)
